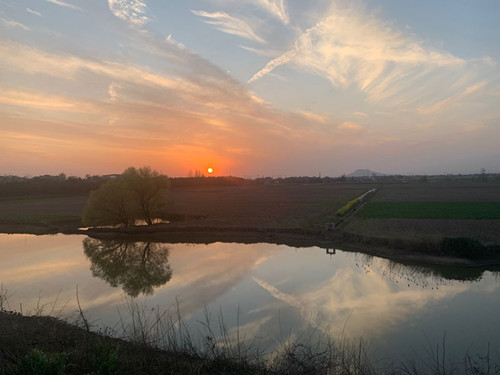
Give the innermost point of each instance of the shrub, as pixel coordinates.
(104, 360)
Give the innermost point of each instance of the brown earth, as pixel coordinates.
(246, 206)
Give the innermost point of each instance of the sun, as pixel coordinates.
(210, 170)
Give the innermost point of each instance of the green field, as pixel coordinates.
(431, 210)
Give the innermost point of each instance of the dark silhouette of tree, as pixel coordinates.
(136, 194)
(137, 267)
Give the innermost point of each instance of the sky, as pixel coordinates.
(250, 88)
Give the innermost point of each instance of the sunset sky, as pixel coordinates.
(249, 87)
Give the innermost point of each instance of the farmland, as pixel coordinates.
(427, 212)
(417, 213)
(247, 205)
(440, 191)
(431, 210)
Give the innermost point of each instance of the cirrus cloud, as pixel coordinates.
(131, 11)
(230, 25)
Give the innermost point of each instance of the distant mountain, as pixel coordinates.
(364, 173)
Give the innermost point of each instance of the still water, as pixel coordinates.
(267, 292)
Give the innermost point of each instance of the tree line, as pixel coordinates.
(14, 186)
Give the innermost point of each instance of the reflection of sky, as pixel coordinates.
(267, 291)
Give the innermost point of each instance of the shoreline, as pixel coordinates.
(294, 237)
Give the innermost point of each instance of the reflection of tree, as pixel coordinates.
(137, 266)
(421, 275)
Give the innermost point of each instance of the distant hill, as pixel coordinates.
(364, 173)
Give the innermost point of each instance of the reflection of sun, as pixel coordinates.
(210, 170)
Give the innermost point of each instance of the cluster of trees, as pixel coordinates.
(137, 194)
(13, 186)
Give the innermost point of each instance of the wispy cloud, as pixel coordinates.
(131, 11)
(314, 116)
(349, 46)
(200, 114)
(273, 64)
(229, 24)
(42, 101)
(13, 24)
(453, 100)
(351, 126)
(34, 12)
(64, 4)
(277, 8)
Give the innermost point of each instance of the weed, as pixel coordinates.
(104, 360)
(37, 362)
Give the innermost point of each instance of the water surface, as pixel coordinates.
(266, 291)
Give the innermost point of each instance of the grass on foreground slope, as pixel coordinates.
(431, 210)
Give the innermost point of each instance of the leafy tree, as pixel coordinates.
(109, 205)
(145, 187)
(136, 194)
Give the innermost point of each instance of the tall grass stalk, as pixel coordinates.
(313, 353)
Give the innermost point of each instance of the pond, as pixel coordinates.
(265, 292)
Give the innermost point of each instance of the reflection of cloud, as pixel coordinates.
(372, 304)
(287, 298)
(204, 273)
(229, 24)
(39, 270)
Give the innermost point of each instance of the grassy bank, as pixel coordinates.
(160, 344)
